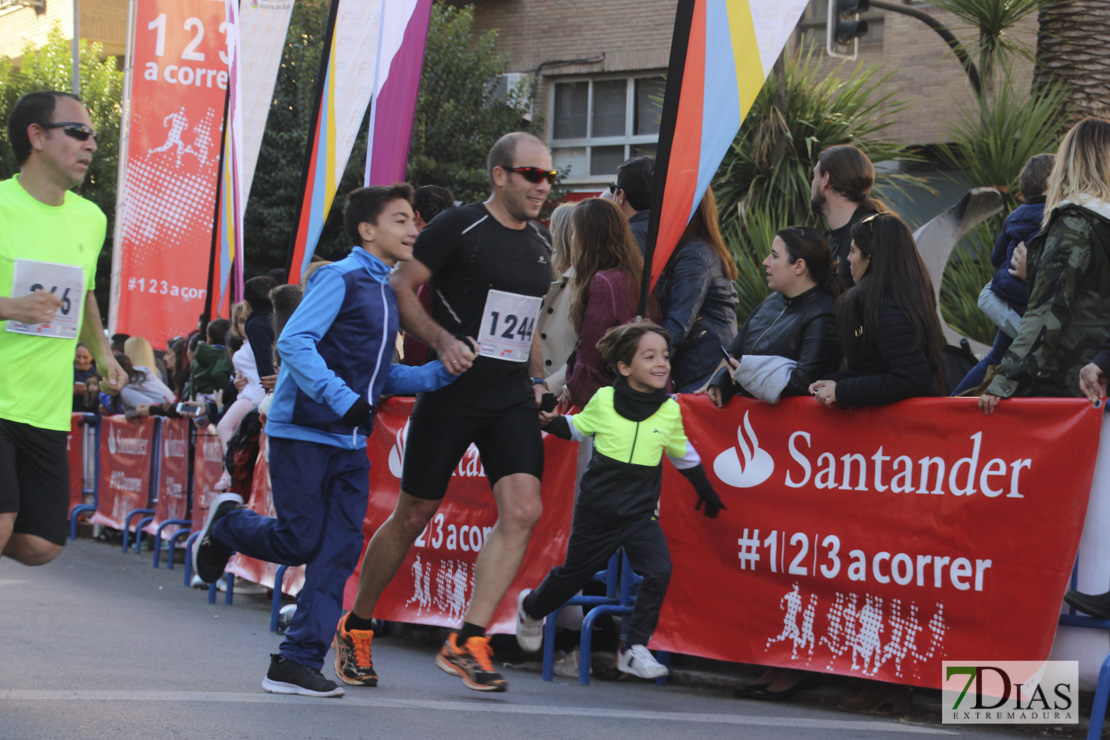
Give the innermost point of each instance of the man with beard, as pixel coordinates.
(841, 192)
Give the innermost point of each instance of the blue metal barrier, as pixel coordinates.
(127, 527)
(93, 421)
(1102, 687)
(620, 597)
(275, 603)
(178, 533)
(189, 558)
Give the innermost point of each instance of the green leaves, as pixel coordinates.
(764, 182)
(459, 116)
(795, 117)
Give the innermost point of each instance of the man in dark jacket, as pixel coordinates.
(632, 193)
(841, 192)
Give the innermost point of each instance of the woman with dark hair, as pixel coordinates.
(697, 298)
(604, 292)
(888, 325)
(790, 339)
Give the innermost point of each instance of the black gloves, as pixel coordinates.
(712, 502)
(707, 497)
(359, 413)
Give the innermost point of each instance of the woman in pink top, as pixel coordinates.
(607, 268)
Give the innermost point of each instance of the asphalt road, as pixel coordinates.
(100, 645)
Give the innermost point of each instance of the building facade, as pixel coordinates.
(26, 23)
(599, 72)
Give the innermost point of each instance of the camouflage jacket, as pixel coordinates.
(1069, 304)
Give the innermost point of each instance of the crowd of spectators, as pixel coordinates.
(851, 318)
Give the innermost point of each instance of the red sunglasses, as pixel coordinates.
(535, 174)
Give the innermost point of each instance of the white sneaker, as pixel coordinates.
(529, 632)
(639, 661)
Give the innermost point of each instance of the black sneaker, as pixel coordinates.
(287, 677)
(209, 556)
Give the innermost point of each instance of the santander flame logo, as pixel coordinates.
(397, 454)
(756, 465)
(112, 446)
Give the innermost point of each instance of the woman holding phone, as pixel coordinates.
(790, 339)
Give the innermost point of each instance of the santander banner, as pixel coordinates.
(877, 542)
(170, 152)
(126, 451)
(173, 476)
(436, 581)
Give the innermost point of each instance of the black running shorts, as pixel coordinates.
(507, 444)
(34, 479)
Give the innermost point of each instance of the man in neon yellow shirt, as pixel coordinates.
(49, 241)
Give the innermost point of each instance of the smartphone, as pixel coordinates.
(189, 409)
(728, 358)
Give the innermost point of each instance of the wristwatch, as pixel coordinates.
(540, 381)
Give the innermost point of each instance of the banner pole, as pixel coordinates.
(121, 173)
(314, 123)
(684, 16)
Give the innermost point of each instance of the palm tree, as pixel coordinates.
(1071, 48)
(993, 20)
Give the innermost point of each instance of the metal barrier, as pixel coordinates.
(1102, 687)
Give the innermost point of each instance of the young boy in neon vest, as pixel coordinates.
(335, 363)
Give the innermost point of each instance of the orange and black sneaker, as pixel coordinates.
(353, 664)
(473, 663)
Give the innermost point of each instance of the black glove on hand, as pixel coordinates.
(359, 413)
(711, 501)
(707, 497)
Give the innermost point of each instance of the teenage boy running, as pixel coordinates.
(335, 352)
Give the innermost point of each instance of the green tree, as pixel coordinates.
(458, 116)
(51, 68)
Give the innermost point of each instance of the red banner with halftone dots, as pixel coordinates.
(171, 149)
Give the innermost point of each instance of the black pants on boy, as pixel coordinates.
(590, 547)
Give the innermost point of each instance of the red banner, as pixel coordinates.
(125, 454)
(261, 501)
(171, 150)
(75, 452)
(208, 465)
(173, 477)
(877, 542)
(436, 581)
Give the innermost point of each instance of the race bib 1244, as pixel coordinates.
(508, 322)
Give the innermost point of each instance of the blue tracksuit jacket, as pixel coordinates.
(338, 345)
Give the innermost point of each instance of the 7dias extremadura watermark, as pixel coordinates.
(1010, 692)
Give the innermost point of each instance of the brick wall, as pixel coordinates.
(635, 35)
(100, 20)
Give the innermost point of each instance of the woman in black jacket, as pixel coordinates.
(697, 299)
(889, 329)
(790, 339)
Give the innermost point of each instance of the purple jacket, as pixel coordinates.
(610, 301)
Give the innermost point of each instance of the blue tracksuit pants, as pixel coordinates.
(320, 495)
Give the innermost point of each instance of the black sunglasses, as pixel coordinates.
(535, 174)
(73, 129)
(613, 188)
